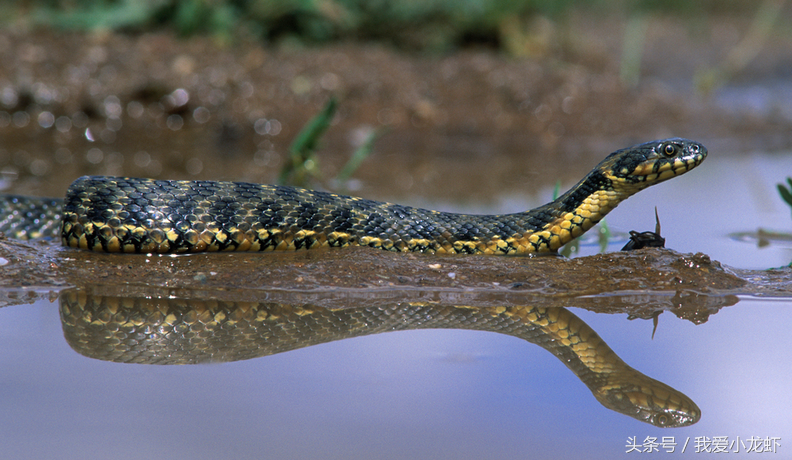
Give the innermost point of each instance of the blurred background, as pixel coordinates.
(462, 104)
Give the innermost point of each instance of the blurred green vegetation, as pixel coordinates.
(302, 166)
(786, 193)
(412, 24)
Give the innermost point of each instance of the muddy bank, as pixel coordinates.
(640, 283)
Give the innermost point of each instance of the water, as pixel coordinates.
(411, 394)
(730, 193)
(467, 132)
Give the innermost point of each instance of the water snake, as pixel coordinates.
(143, 215)
(120, 214)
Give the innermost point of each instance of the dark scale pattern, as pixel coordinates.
(142, 215)
(26, 218)
(594, 181)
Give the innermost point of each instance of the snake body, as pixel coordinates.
(120, 214)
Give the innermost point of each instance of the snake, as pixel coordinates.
(148, 330)
(134, 215)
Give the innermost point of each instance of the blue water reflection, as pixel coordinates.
(414, 394)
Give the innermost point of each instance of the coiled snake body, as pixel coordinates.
(115, 214)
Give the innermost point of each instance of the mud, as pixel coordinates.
(640, 283)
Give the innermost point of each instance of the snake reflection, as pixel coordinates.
(176, 331)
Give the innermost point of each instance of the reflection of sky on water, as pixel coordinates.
(735, 366)
(414, 394)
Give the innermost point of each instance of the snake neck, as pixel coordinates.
(579, 209)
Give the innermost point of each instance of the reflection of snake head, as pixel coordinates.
(651, 402)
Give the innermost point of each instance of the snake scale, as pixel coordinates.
(120, 214)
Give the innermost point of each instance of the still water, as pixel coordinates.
(410, 394)
(437, 394)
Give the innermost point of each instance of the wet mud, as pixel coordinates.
(640, 283)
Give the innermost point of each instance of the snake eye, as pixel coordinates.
(660, 420)
(669, 150)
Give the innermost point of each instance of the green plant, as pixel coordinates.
(435, 25)
(97, 14)
(360, 154)
(302, 165)
(302, 162)
(786, 193)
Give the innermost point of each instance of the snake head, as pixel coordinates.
(649, 401)
(652, 162)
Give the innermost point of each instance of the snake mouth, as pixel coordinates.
(654, 172)
(650, 401)
(690, 155)
(674, 418)
(683, 165)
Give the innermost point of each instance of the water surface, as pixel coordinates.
(410, 394)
